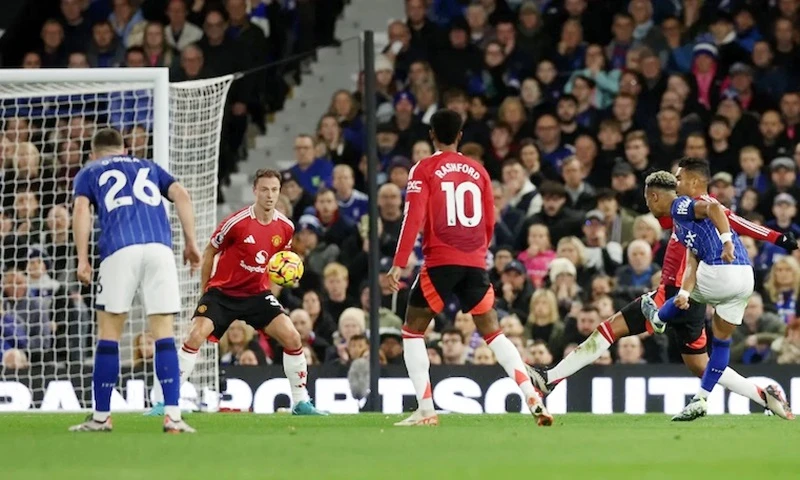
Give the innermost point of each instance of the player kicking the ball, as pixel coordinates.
(449, 197)
(239, 287)
(135, 247)
(689, 328)
(718, 272)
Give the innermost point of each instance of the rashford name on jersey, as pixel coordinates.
(448, 197)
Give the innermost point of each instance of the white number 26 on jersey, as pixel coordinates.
(455, 198)
(143, 189)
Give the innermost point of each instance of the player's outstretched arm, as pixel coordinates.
(178, 195)
(208, 264)
(81, 231)
(755, 231)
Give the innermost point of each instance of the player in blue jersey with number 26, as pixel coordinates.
(717, 273)
(135, 247)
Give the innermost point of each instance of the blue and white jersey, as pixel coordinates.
(126, 193)
(702, 237)
(355, 207)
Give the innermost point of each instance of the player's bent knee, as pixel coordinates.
(292, 341)
(619, 327)
(418, 318)
(202, 327)
(282, 330)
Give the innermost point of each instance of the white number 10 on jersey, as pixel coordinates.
(455, 204)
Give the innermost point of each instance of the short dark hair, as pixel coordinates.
(589, 82)
(623, 15)
(550, 188)
(473, 150)
(323, 190)
(637, 135)
(102, 23)
(697, 134)
(662, 180)
(479, 97)
(507, 248)
(503, 126)
(529, 142)
(266, 173)
(359, 336)
(52, 21)
(590, 309)
(510, 162)
(610, 123)
(606, 194)
(219, 11)
(135, 49)
(313, 138)
(696, 165)
(720, 119)
(454, 94)
(451, 330)
(107, 139)
(627, 96)
(446, 125)
(568, 97)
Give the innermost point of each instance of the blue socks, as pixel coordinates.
(669, 311)
(106, 372)
(717, 363)
(168, 371)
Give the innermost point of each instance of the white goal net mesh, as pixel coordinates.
(47, 325)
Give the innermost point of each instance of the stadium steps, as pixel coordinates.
(335, 68)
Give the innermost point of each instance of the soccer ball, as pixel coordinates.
(285, 268)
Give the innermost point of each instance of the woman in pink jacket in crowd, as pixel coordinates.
(538, 255)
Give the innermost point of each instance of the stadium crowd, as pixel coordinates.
(195, 39)
(46, 315)
(569, 104)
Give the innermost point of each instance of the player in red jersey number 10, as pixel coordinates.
(447, 198)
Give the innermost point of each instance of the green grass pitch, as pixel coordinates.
(232, 446)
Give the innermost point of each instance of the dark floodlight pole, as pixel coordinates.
(374, 256)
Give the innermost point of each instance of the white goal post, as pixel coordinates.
(47, 326)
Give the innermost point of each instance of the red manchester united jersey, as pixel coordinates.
(448, 196)
(245, 246)
(675, 254)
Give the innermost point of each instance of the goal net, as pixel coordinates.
(47, 324)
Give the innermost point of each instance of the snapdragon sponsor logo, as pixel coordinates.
(261, 259)
(252, 268)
